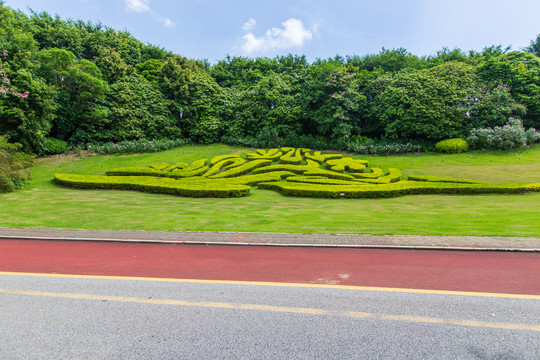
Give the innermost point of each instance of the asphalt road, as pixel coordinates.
(46, 317)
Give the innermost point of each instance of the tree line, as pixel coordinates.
(81, 82)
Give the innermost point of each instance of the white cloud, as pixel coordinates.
(167, 22)
(249, 25)
(293, 34)
(143, 6)
(139, 6)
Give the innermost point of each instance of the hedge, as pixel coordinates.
(318, 157)
(219, 158)
(160, 165)
(184, 187)
(138, 171)
(322, 180)
(395, 189)
(375, 173)
(144, 171)
(394, 175)
(259, 178)
(441, 179)
(329, 174)
(242, 169)
(349, 164)
(225, 164)
(293, 156)
(179, 165)
(272, 154)
(297, 169)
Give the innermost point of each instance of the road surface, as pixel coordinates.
(131, 301)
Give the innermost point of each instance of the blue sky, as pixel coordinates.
(211, 29)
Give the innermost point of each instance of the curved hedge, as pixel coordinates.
(293, 172)
(152, 184)
(395, 189)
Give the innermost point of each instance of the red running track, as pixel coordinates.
(499, 272)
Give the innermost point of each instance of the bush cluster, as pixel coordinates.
(512, 135)
(452, 146)
(133, 146)
(357, 145)
(54, 146)
(14, 166)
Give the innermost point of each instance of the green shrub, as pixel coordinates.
(512, 135)
(54, 146)
(452, 146)
(532, 136)
(14, 166)
(133, 146)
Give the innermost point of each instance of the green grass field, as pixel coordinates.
(46, 205)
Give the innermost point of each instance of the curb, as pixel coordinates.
(188, 242)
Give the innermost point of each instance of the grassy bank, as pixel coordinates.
(43, 204)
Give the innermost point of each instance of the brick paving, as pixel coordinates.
(280, 239)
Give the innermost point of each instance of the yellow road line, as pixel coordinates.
(282, 284)
(281, 309)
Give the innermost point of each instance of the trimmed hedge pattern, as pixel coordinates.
(293, 172)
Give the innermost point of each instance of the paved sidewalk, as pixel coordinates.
(277, 239)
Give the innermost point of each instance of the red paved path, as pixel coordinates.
(501, 272)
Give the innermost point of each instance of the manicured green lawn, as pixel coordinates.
(43, 204)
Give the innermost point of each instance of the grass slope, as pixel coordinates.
(43, 204)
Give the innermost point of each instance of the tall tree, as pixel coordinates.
(196, 98)
(430, 104)
(332, 101)
(534, 46)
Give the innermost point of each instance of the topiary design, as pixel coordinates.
(293, 172)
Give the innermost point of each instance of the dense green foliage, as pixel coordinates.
(14, 166)
(85, 83)
(294, 172)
